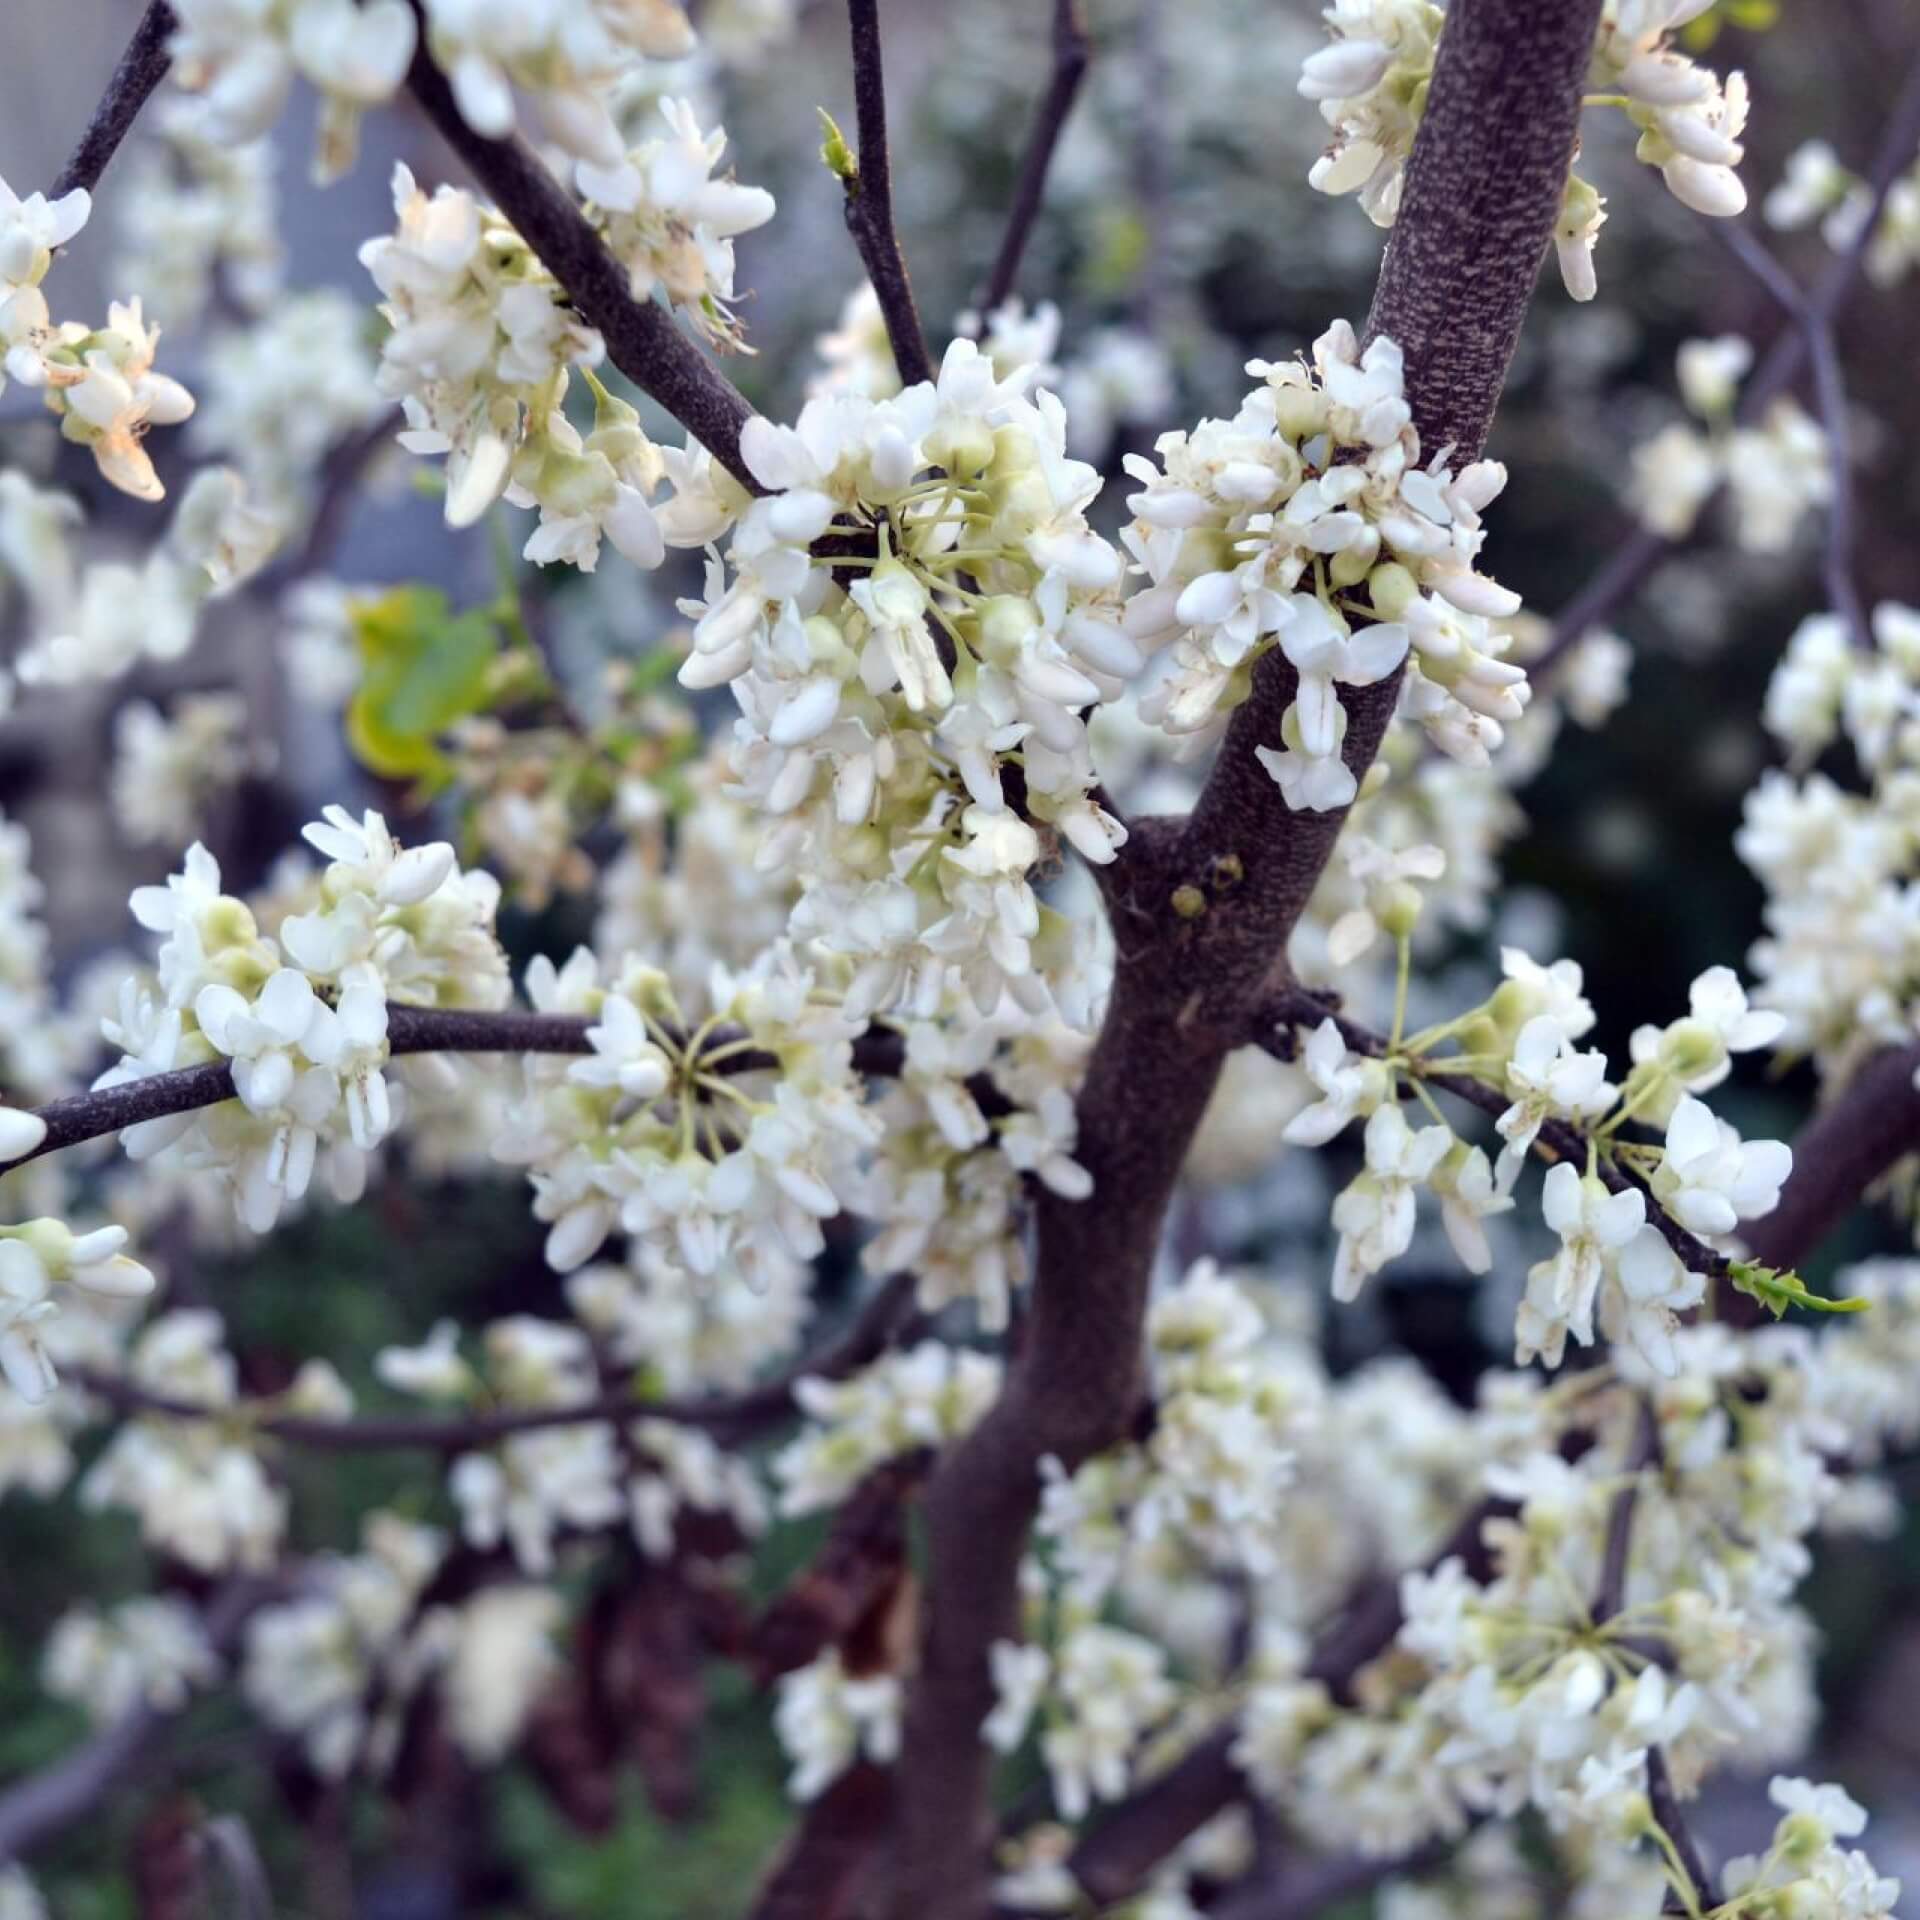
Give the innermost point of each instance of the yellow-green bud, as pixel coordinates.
(1392, 589)
(962, 447)
(1189, 902)
(1349, 567)
(1399, 910)
(1689, 1049)
(1299, 411)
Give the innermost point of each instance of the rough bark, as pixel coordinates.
(1483, 189)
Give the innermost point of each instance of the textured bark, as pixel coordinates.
(1484, 186)
(142, 67)
(1839, 1155)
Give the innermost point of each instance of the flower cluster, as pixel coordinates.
(240, 62)
(569, 1477)
(927, 1396)
(1257, 533)
(569, 54)
(1774, 472)
(1816, 187)
(1616, 1258)
(99, 382)
(1838, 864)
(302, 1016)
(891, 693)
(98, 621)
(168, 769)
(671, 225)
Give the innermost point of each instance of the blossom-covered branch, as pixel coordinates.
(126, 1103)
(735, 1418)
(1503, 106)
(642, 340)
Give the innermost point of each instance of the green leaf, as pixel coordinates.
(835, 151)
(422, 668)
(1777, 1290)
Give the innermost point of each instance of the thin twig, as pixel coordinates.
(1633, 562)
(869, 200)
(43, 1804)
(1830, 390)
(642, 340)
(1830, 396)
(1557, 1140)
(142, 67)
(736, 1416)
(1610, 1597)
(1666, 1809)
(1071, 49)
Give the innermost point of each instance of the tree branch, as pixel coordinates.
(642, 339)
(1071, 50)
(87, 1116)
(42, 1805)
(1629, 567)
(1483, 188)
(1556, 1140)
(869, 200)
(1115, 1861)
(142, 67)
(738, 1417)
(1830, 397)
(1842, 1151)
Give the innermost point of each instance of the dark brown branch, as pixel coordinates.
(1483, 188)
(1115, 1861)
(1070, 54)
(642, 339)
(1556, 1140)
(1666, 1809)
(735, 1417)
(869, 200)
(104, 1110)
(44, 1804)
(1611, 1595)
(1843, 1150)
(142, 67)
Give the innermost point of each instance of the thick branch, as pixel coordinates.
(642, 339)
(1484, 185)
(1070, 53)
(1839, 1154)
(869, 205)
(142, 67)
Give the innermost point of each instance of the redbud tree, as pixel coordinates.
(815, 996)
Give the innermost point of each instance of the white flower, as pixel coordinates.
(1548, 1079)
(827, 1718)
(1375, 1214)
(1350, 1085)
(1710, 1179)
(1019, 1680)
